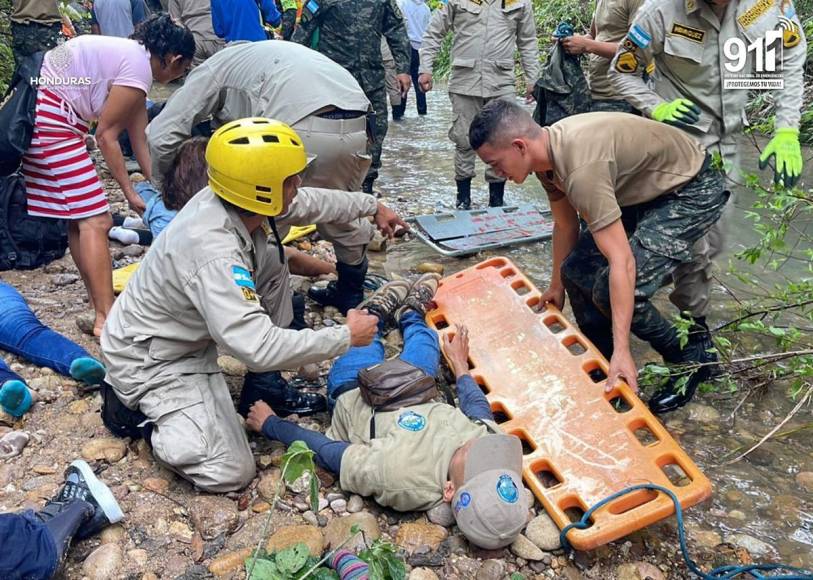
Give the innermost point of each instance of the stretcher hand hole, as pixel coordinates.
(631, 501)
(554, 324)
(501, 414)
(546, 474)
(528, 444)
(574, 345)
(508, 272)
(674, 472)
(620, 403)
(495, 263)
(594, 371)
(536, 305)
(520, 287)
(573, 509)
(643, 433)
(481, 382)
(440, 321)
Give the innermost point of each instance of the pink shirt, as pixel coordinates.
(83, 69)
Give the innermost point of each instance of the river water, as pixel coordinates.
(757, 496)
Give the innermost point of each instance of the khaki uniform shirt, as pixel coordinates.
(605, 161)
(196, 15)
(407, 463)
(201, 286)
(611, 21)
(40, 11)
(279, 80)
(486, 35)
(685, 40)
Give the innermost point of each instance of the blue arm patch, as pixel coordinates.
(312, 6)
(639, 36)
(242, 277)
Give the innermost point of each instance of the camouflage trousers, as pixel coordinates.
(661, 234)
(34, 37)
(612, 106)
(378, 98)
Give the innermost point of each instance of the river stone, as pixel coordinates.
(338, 530)
(102, 562)
(755, 547)
(544, 533)
(311, 536)
(491, 570)
(311, 518)
(110, 449)
(156, 484)
(302, 484)
(422, 574)
(526, 549)
(181, 532)
(441, 515)
(706, 538)
(639, 571)
(213, 515)
(355, 504)
(79, 407)
(702, 413)
(339, 506)
(413, 537)
(231, 366)
(269, 484)
(112, 534)
(427, 267)
(805, 480)
(12, 444)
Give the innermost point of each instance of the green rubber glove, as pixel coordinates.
(787, 154)
(678, 111)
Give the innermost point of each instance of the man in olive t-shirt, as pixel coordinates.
(36, 25)
(645, 193)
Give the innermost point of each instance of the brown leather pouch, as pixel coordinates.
(395, 384)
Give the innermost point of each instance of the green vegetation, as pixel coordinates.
(291, 563)
(6, 57)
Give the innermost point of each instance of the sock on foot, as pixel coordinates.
(88, 370)
(15, 398)
(349, 566)
(123, 235)
(134, 223)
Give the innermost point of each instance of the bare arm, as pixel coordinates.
(303, 264)
(612, 242)
(565, 236)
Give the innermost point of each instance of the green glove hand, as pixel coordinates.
(678, 111)
(787, 154)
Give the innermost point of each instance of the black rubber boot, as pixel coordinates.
(367, 185)
(280, 396)
(496, 191)
(463, 193)
(64, 524)
(96, 504)
(670, 397)
(346, 292)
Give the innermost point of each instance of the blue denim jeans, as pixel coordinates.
(28, 550)
(22, 333)
(421, 349)
(156, 215)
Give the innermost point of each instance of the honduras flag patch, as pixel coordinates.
(639, 36)
(242, 277)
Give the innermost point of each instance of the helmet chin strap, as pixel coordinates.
(281, 249)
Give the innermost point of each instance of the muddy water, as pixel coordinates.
(757, 496)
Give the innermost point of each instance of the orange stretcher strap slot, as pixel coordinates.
(545, 383)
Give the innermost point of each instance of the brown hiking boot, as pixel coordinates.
(421, 295)
(385, 301)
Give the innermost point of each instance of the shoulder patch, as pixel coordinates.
(242, 277)
(627, 63)
(751, 15)
(790, 32)
(411, 421)
(312, 6)
(507, 489)
(693, 34)
(639, 36)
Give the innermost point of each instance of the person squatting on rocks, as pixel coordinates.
(349, 33)
(685, 42)
(454, 455)
(35, 543)
(276, 80)
(60, 178)
(629, 197)
(22, 333)
(486, 35)
(216, 277)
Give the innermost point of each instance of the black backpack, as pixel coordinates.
(26, 242)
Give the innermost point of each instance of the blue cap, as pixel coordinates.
(15, 398)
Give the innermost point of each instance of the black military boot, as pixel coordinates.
(344, 293)
(367, 185)
(463, 193)
(82, 508)
(669, 397)
(496, 190)
(280, 396)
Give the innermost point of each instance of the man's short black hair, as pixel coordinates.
(497, 118)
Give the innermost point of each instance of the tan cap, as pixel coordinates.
(491, 508)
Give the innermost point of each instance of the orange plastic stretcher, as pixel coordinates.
(545, 383)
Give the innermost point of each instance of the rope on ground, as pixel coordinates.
(720, 573)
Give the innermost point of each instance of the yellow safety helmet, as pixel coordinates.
(249, 159)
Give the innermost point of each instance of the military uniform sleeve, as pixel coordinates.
(527, 45)
(312, 11)
(223, 291)
(313, 205)
(174, 9)
(394, 30)
(635, 53)
(794, 53)
(439, 26)
(199, 98)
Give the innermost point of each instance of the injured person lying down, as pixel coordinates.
(391, 440)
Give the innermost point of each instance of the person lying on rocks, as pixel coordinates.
(417, 456)
(35, 543)
(22, 333)
(216, 278)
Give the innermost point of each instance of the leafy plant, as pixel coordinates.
(293, 563)
(382, 557)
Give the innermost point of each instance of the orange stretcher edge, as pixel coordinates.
(543, 380)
